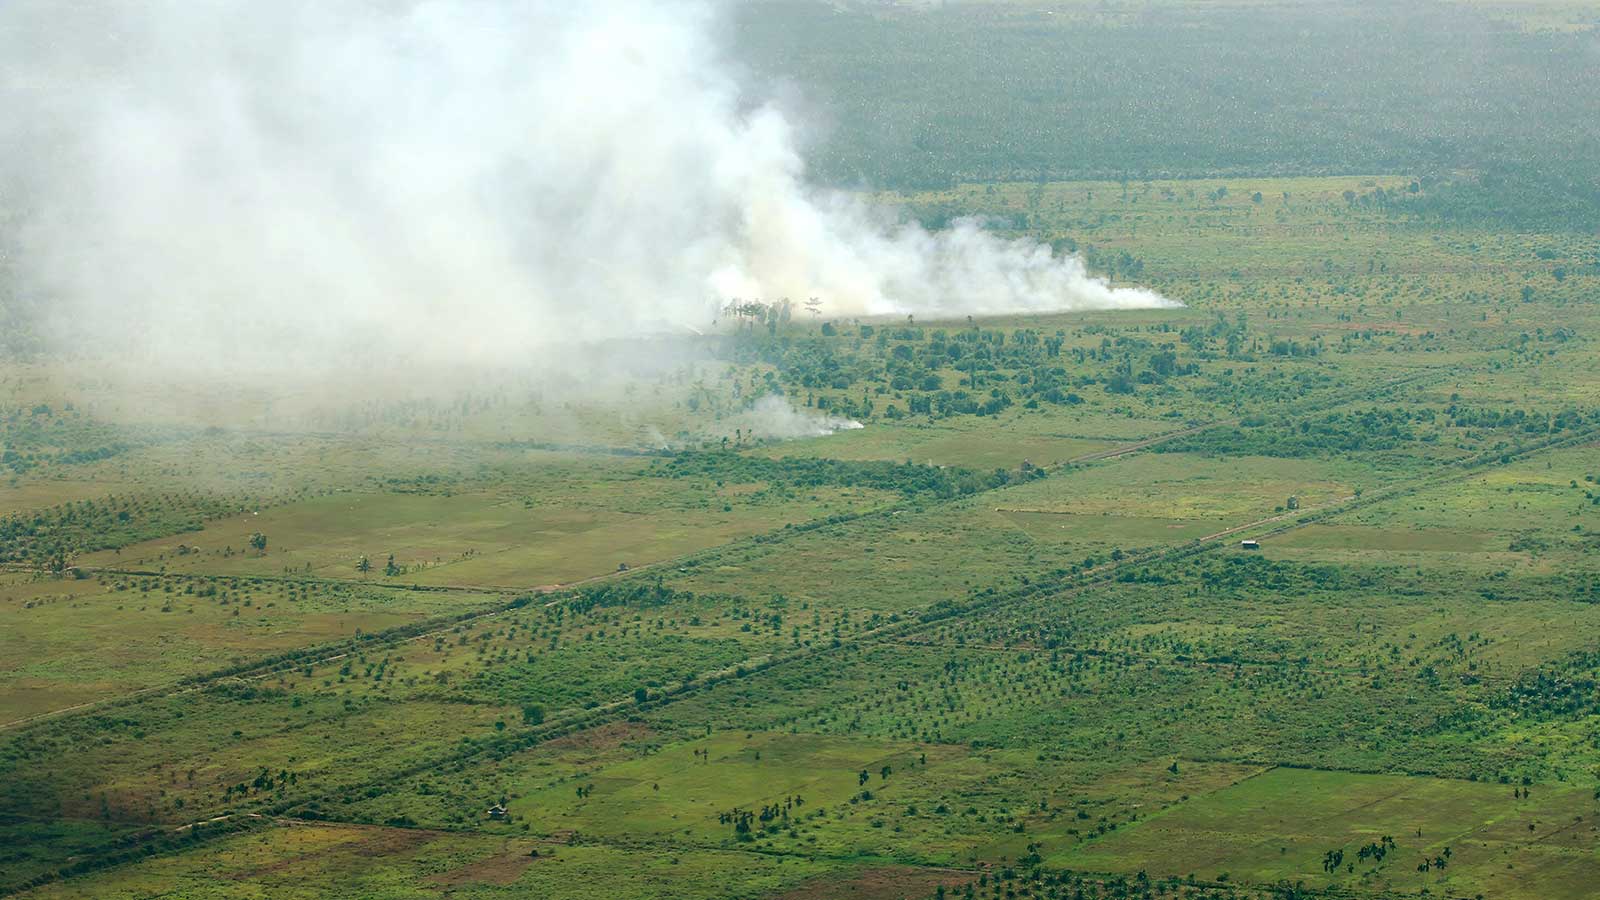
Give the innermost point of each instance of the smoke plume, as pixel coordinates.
(773, 418)
(233, 183)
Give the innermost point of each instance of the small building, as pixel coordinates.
(1249, 545)
(497, 811)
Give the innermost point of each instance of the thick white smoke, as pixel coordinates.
(258, 183)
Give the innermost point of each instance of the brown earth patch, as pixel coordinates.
(603, 737)
(881, 883)
(364, 841)
(501, 868)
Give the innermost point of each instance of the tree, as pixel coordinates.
(258, 542)
(364, 565)
(533, 714)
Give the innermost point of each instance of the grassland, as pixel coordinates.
(501, 540)
(69, 642)
(1247, 831)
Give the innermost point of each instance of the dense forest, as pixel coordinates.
(1499, 112)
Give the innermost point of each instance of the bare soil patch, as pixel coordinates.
(603, 737)
(503, 867)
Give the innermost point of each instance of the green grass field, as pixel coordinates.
(567, 527)
(1279, 825)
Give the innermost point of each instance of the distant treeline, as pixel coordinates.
(928, 97)
(1371, 430)
(1530, 198)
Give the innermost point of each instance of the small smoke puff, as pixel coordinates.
(773, 418)
(231, 185)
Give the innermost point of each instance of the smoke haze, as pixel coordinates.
(772, 417)
(227, 183)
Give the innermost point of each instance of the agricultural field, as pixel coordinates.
(1288, 590)
(1001, 638)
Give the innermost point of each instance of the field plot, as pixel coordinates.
(1529, 517)
(480, 539)
(681, 790)
(891, 563)
(1177, 486)
(807, 793)
(1129, 531)
(1280, 826)
(69, 642)
(235, 742)
(1360, 537)
(914, 558)
(302, 860)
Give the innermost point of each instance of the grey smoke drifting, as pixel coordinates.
(235, 183)
(773, 417)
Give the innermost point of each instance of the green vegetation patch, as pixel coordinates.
(1386, 833)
